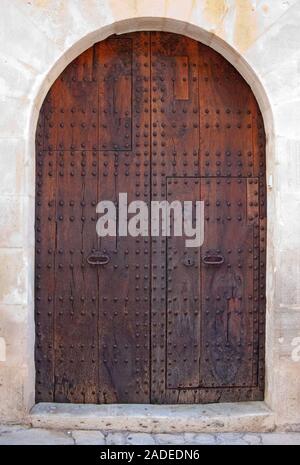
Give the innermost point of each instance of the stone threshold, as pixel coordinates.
(206, 418)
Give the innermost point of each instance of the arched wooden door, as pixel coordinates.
(159, 116)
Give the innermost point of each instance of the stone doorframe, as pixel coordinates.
(39, 45)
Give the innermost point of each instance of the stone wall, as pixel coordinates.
(38, 38)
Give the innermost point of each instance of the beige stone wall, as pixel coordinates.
(38, 38)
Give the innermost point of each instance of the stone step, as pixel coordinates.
(226, 417)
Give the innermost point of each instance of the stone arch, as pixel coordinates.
(160, 24)
(168, 25)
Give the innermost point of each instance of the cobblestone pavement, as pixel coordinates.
(13, 435)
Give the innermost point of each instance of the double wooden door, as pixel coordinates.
(158, 116)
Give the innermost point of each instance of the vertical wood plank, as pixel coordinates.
(124, 283)
(181, 81)
(71, 122)
(114, 63)
(175, 152)
(76, 300)
(183, 304)
(45, 239)
(225, 102)
(227, 288)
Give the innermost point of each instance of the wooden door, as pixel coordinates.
(160, 117)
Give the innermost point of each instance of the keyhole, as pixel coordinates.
(188, 261)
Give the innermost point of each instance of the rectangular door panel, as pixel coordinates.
(212, 295)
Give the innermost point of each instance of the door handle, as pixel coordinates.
(213, 259)
(98, 258)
